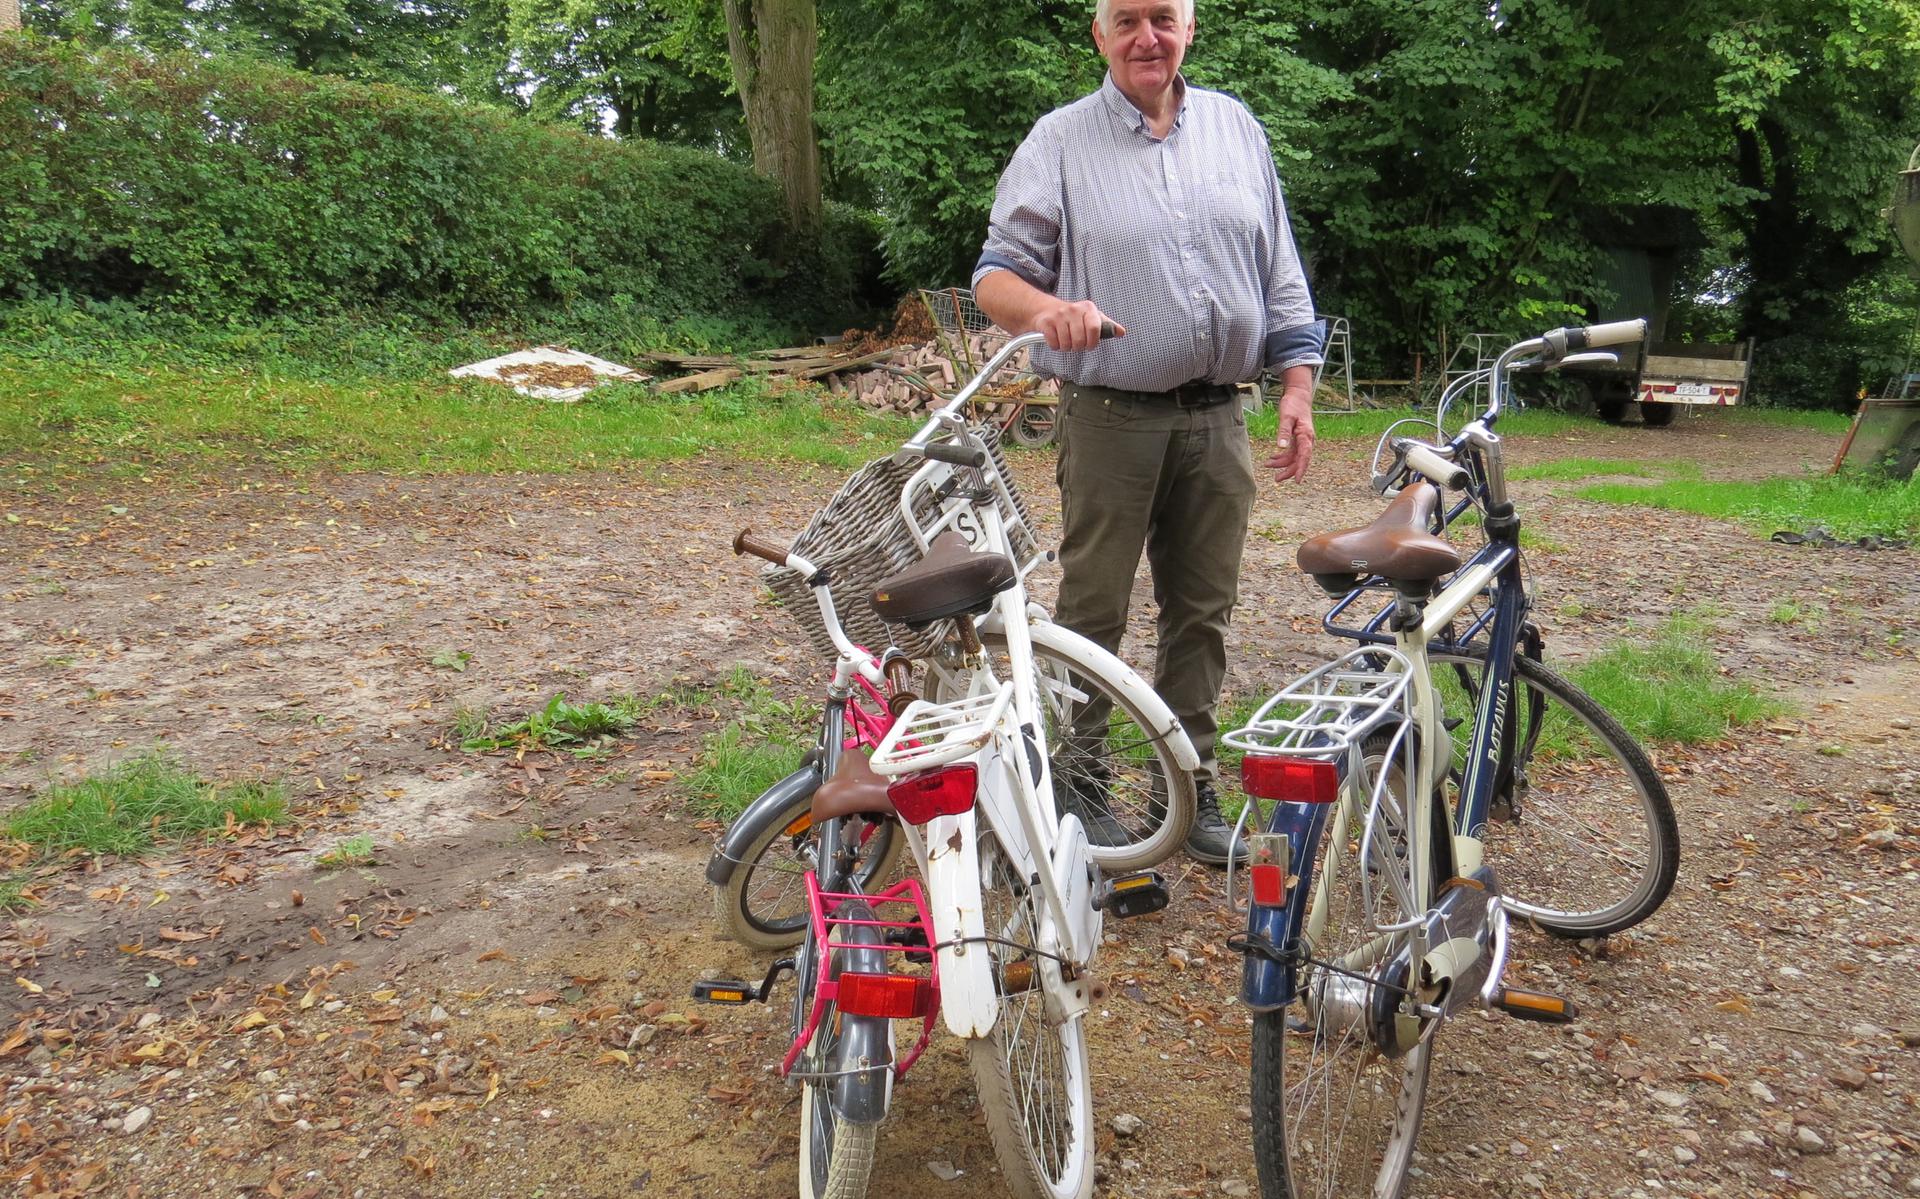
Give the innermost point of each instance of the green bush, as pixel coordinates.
(244, 190)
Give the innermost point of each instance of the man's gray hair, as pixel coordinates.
(1103, 9)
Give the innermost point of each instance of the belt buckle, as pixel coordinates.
(1195, 395)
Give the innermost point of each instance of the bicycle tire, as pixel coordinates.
(836, 1154)
(1544, 871)
(1033, 1077)
(1292, 1155)
(1149, 795)
(763, 903)
(846, 1167)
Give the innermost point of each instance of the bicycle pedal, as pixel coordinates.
(1536, 1006)
(1135, 894)
(729, 991)
(732, 992)
(913, 940)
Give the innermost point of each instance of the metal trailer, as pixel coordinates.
(1661, 376)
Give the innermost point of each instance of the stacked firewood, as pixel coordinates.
(882, 389)
(858, 371)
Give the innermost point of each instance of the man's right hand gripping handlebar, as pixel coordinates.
(1075, 325)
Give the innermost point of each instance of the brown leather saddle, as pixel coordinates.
(853, 788)
(950, 580)
(1396, 546)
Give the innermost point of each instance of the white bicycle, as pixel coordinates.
(1014, 898)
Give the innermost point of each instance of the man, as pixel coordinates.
(1155, 205)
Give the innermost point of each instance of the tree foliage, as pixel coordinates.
(1451, 167)
(245, 190)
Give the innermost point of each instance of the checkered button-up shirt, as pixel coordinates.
(1184, 240)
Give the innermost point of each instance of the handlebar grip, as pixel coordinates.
(1108, 329)
(1448, 474)
(1615, 333)
(746, 543)
(957, 455)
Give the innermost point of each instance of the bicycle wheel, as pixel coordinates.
(763, 903)
(836, 1155)
(1126, 787)
(1034, 1083)
(1582, 834)
(1333, 1117)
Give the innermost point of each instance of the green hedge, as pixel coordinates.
(241, 189)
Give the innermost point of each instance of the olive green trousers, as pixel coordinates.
(1139, 472)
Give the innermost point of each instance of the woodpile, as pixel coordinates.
(858, 371)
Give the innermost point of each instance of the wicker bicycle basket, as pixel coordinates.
(861, 537)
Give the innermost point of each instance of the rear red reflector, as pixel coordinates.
(945, 792)
(1295, 780)
(888, 996)
(1269, 885)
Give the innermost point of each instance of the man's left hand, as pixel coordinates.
(1295, 441)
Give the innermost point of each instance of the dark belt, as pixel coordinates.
(1201, 394)
(1197, 394)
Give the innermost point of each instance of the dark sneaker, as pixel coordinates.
(1211, 840)
(1083, 792)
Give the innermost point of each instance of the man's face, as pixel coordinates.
(1144, 42)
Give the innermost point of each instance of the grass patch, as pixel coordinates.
(354, 851)
(762, 745)
(1582, 468)
(166, 416)
(135, 804)
(1667, 687)
(1846, 507)
(1834, 424)
(583, 730)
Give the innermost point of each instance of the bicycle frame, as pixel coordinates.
(1015, 800)
(1274, 940)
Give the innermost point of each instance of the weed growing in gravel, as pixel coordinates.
(581, 729)
(469, 723)
(140, 801)
(354, 851)
(735, 767)
(763, 744)
(14, 896)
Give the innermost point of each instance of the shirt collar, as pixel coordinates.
(1131, 116)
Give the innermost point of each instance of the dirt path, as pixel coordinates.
(496, 1005)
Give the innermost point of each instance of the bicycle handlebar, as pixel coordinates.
(920, 444)
(958, 455)
(744, 542)
(1429, 462)
(1615, 333)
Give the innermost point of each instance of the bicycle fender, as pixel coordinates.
(1267, 984)
(1074, 647)
(968, 1002)
(772, 806)
(866, 1042)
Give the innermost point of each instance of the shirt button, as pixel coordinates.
(1179, 216)
(1203, 337)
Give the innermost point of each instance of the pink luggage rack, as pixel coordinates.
(909, 903)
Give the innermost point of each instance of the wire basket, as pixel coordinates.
(968, 337)
(862, 537)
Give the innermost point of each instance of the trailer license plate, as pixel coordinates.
(1693, 389)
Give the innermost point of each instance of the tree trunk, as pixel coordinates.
(771, 44)
(9, 15)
